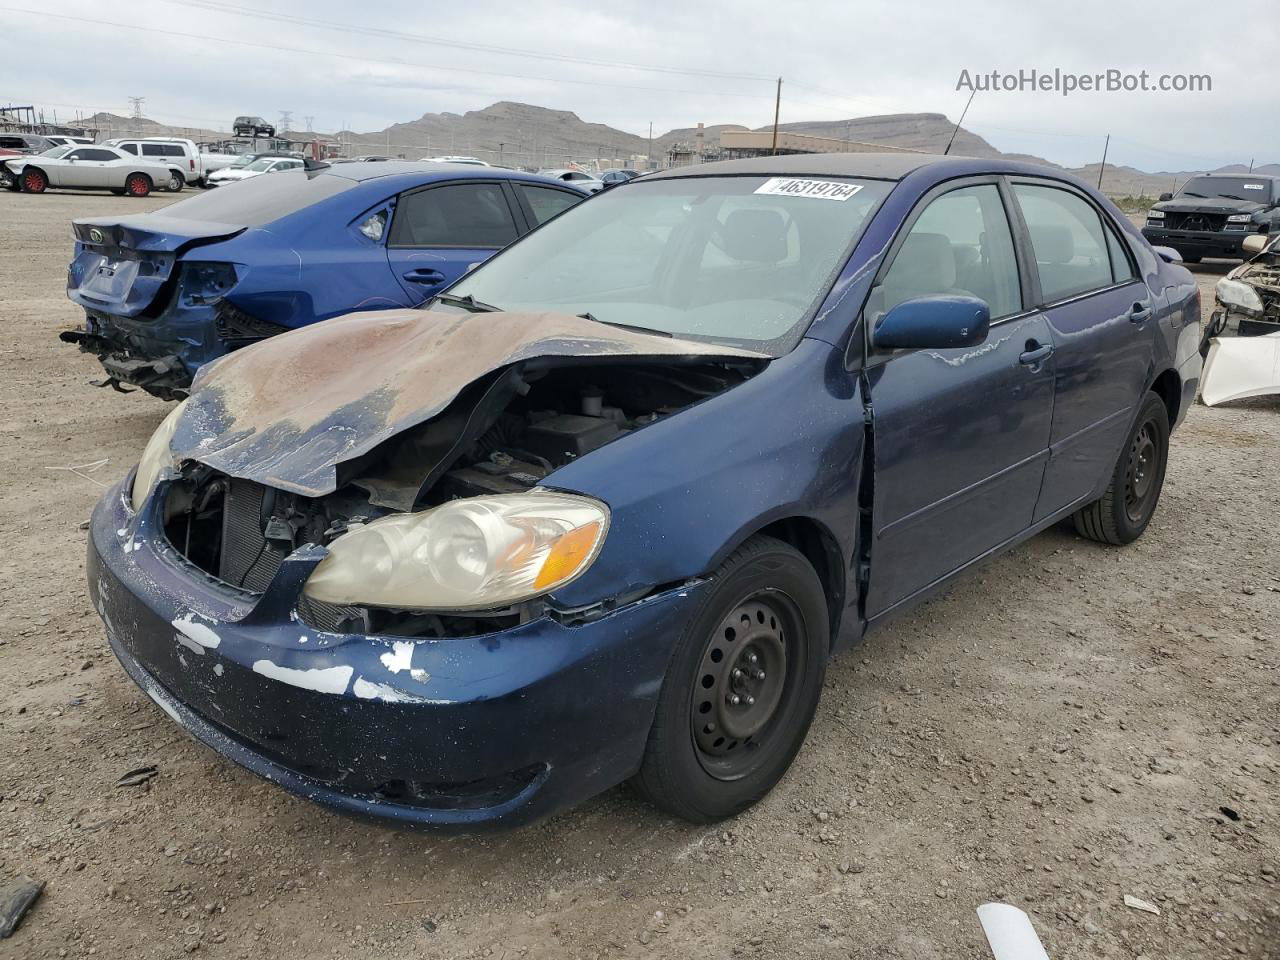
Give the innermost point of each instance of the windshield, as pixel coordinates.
(737, 260)
(243, 161)
(260, 165)
(56, 152)
(1237, 188)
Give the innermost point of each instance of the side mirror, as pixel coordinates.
(1168, 254)
(1165, 196)
(1254, 244)
(933, 322)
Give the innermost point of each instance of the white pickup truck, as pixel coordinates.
(196, 164)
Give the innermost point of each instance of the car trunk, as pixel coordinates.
(122, 265)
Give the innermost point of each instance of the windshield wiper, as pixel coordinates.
(468, 302)
(1188, 193)
(626, 326)
(1232, 196)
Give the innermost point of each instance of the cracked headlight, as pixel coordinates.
(474, 554)
(1239, 296)
(155, 457)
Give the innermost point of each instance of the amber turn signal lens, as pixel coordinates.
(568, 554)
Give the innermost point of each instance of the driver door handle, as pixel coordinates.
(1139, 313)
(1035, 354)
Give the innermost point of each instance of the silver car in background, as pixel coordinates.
(90, 168)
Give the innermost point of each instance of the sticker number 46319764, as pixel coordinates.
(815, 189)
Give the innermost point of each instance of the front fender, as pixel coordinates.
(686, 491)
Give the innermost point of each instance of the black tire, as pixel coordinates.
(786, 630)
(118, 191)
(138, 185)
(34, 180)
(1189, 259)
(1121, 514)
(176, 181)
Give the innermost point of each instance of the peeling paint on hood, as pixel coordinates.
(288, 410)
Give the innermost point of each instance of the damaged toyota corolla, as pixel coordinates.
(603, 510)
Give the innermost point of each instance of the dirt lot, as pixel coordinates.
(1069, 725)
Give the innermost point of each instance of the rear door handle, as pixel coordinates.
(1140, 313)
(425, 276)
(1035, 354)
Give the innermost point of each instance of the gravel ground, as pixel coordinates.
(1070, 724)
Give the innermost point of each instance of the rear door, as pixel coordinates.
(438, 231)
(961, 435)
(1102, 319)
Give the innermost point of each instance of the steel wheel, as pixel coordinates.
(1140, 473)
(34, 181)
(137, 185)
(176, 181)
(743, 679)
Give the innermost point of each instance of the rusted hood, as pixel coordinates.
(288, 410)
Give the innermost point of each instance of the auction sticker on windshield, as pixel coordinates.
(817, 189)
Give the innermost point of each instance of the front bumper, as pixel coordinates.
(461, 733)
(1199, 243)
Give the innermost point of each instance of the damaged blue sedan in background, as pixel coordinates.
(166, 292)
(604, 509)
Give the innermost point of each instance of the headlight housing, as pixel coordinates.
(1239, 296)
(481, 553)
(1155, 214)
(155, 458)
(1239, 218)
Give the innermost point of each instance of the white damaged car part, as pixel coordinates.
(1239, 367)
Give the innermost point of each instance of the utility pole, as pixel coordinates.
(1251, 159)
(501, 145)
(309, 121)
(286, 118)
(650, 156)
(777, 108)
(1104, 160)
(137, 106)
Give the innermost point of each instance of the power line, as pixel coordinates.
(348, 28)
(365, 59)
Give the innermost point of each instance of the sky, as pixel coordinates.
(670, 62)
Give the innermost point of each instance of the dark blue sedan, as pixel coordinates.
(165, 293)
(604, 509)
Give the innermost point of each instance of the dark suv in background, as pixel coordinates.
(252, 127)
(1211, 215)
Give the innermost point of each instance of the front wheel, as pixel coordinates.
(742, 686)
(1121, 514)
(34, 181)
(138, 185)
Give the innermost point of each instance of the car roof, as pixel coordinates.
(873, 166)
(1235, 176)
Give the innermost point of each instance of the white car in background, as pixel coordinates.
(196, 164)
(254, 168)
(473, 161)
(579, 178)
(90, 168)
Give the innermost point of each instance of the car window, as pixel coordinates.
(960, 244)
(152, 150)
(173, 150)
(546, 202)
(457, 215)
(1121, 267)
(97, 154)
(130, 148)
(1068, 241)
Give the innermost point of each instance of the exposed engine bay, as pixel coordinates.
(504, 434)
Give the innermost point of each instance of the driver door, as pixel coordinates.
(961, 436)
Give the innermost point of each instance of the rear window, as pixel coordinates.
(261, 200)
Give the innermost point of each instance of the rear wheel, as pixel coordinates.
(34, 181)
(1186, 258)
(1121, 514)
(742, 686)
(138, 185)
(176, 181)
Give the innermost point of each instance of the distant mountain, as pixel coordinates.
(522, 134)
